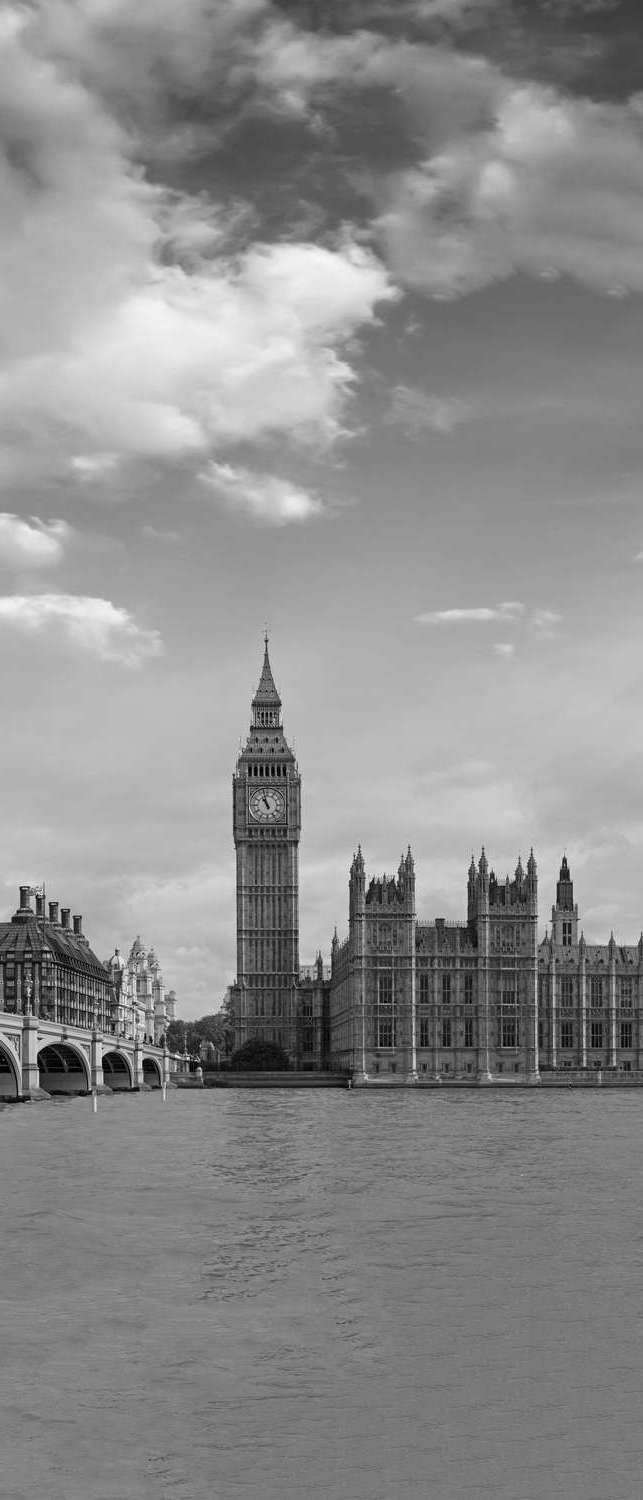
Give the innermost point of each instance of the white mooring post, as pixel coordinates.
(94, 1101)
(164, 1092)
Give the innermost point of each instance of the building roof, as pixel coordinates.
(266, 695)
(24, 940)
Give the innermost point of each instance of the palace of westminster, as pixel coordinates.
(468, 1000)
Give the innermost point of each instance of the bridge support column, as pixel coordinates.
(30, 1071)
(138, 1066)
(166, 1065)
(98, 1080)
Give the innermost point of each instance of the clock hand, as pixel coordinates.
(266, 802)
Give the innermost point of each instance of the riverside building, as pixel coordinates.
(406, 999)
(48, 968)
(142, 1005)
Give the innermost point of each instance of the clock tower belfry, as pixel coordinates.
(266, 802)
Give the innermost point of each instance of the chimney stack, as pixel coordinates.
(65, 913)
(78, 926)
(25, 898)
(53, 911)
(40, 906)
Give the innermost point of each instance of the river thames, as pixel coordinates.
(330, 1294)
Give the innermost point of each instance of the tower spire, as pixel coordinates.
(266, 692)
(266, 704)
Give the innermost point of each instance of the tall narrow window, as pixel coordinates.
(468, 1032)
(446, 1032)
(509, 1032)
(566, 1035)
(626, 1034)
(385, 1011)
(423, 990)
(567, 934)
(626, 994)
(468, 989)
(567, 990)
(446, 991)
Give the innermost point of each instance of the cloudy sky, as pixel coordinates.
(328, 316)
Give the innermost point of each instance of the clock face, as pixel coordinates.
(267, 805)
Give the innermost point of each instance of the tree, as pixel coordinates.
(218, 1029)
(181, 1036)
(259, 1056)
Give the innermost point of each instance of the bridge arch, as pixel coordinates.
(152, 1072)
(10, 1073)
(64, 1068)
(117, 1070)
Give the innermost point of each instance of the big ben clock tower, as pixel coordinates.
(266, 800)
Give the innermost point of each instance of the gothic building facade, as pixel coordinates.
(406, 1000)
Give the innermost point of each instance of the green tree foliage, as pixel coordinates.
(259, 1056)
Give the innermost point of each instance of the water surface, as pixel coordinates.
(328, 1294)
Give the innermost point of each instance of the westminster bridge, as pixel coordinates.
(41, 1056)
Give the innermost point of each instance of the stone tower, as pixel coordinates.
(266, 793)
(564, 915)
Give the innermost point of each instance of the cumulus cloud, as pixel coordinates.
(94, 625)
(539, 183)
(33, 543)
(130, 326)
(266, 497)
(507, 176)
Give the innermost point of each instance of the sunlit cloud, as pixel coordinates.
(539, 183)
(265, 497)
(134, 322)
(97, 626)
(511, 610)
(33, 543)
(91, 467)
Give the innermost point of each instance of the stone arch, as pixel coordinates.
(64, 1068)
(152, 1072)
(10, 1071)
(117, 1069)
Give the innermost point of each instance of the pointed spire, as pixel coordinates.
(483, 865)
(266, 695)
(472, 869)
(531, 864)
(520, 874)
